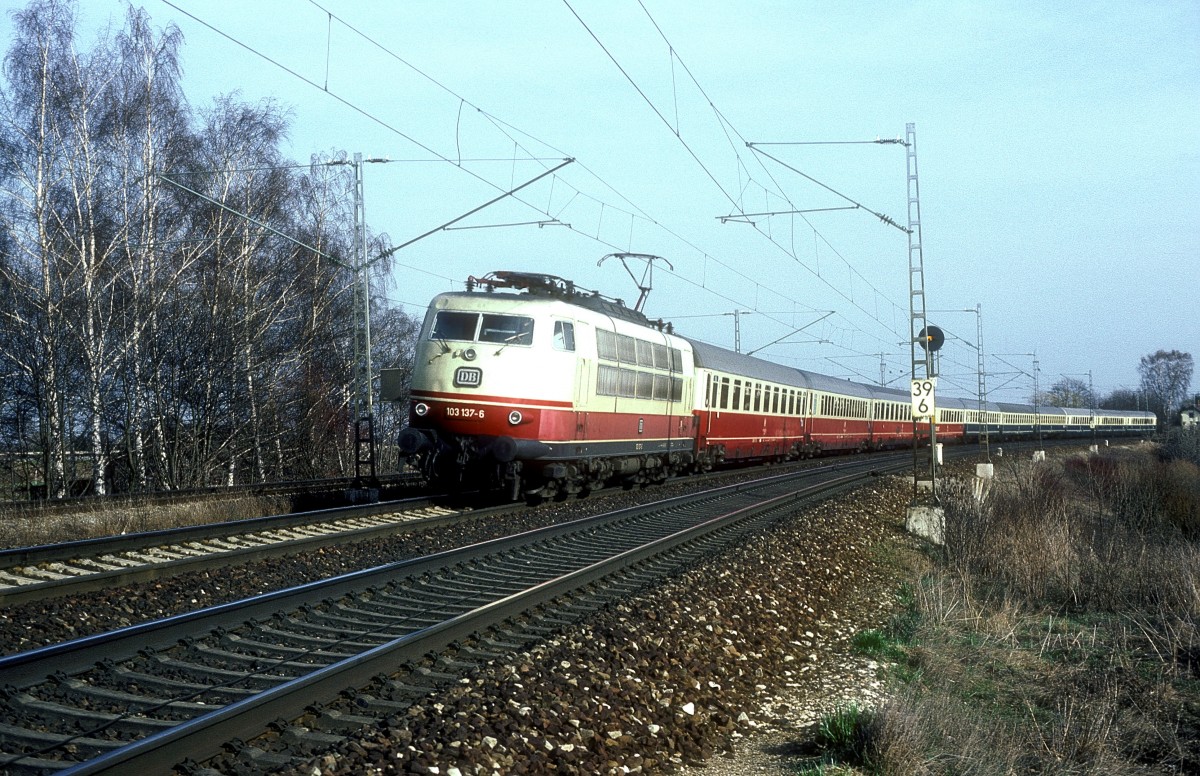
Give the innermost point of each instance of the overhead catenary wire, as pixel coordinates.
(726, 126)
(635, 212)
(500, 124)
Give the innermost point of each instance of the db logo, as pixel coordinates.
(468, 377)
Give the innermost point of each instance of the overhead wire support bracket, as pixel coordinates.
(254, 221)
(745, 217)
(876, 141)
(884, 218)
(539, 224)
(790, 333)
(472, 211)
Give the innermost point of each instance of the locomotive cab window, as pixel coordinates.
(507, 329)
(564, 335)
(488, 327)
(454, 325)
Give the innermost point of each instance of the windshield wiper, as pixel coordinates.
(445, 348)
(509, 340)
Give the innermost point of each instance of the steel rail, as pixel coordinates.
(202, 736)
(67, 568)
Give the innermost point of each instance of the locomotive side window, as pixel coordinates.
(627, 385)
(626, 349)
(606, 345)
(564, 335)
(453, 325)
(662, 386)
(645, 353)
(509, 329)
(607, 380)
(645, 385)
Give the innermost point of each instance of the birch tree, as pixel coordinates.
(33, 276)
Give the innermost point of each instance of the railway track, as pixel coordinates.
(147, 697)
(62, 569)
(67, 568)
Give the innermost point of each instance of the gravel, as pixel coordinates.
(728, 664)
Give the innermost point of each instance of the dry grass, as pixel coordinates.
(1055, 633)
(33, 527)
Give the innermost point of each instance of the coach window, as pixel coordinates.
(724, 394)
(564, 335)
(737, 395)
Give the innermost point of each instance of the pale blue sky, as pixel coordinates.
(1056, 143)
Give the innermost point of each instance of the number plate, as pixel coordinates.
(465, 413)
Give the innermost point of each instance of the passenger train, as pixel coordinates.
(530, 384)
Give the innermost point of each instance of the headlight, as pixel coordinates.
(469, 354)
(421, 409)
(514, 418)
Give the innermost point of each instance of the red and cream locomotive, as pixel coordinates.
(526, 382)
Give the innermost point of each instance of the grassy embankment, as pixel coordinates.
(26, 526)
(1055, 633)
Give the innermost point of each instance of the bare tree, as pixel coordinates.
(1123, 399)
(142, 302)
(33, 276)
(149, 134)
(1069, 392)
(1166, 377)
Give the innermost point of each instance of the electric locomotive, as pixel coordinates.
(533, 385)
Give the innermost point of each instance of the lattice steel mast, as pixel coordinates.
(362, 406)
(922, 357)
